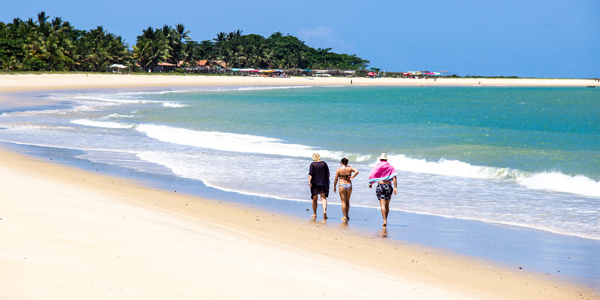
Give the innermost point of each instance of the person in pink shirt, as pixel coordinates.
(384, 174)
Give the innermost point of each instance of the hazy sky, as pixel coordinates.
(492, 37)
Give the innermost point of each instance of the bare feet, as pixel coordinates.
(384, 224)
(325, 216)
(314, 217)
(344, 219)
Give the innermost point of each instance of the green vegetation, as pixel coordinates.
(58, 46)
(42, 45)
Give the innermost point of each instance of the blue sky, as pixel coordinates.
(493, 37)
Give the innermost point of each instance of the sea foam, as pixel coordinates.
(92, 123)
(551, 181)
(556, 181)
(174, 104)
(237, 142)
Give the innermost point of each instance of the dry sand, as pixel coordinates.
(81, 81)
(72, 234)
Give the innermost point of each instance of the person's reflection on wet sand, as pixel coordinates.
(383, 233)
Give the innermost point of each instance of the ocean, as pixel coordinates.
(519, 156)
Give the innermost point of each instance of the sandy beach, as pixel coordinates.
(84, 81)
(67, 233)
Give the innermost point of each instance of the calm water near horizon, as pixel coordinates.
(523, 156)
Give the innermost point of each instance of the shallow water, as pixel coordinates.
(528, 157)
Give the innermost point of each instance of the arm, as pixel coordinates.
(336, 179)
(354, 170)
(395, 185)
(310, 173)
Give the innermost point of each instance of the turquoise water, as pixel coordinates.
(533, 129)
(522, 156)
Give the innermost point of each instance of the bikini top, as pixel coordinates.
(347, 176)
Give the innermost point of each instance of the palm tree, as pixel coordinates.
(40, 44)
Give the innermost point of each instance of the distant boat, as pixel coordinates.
(592, 86)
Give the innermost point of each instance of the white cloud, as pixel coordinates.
(319, 32)
(324, 37)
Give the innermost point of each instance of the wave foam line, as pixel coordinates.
(517, 224)
(91, 123)
(236, 142)
(552, 181)
(117, 116)
(174, 104)
(556, 181)
(134, 96)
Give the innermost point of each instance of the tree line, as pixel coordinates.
(55, 45)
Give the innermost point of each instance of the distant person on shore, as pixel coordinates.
(383, 173)
(344, 173)
(318, 181)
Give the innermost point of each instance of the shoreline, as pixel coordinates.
(15, 83)
(295, 235)
(563, 257)
(418, 265)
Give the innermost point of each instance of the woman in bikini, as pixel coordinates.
(344, 173)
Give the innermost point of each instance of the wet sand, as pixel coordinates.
(69, 233)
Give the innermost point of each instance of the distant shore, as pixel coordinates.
(85, 81)
(70, 233)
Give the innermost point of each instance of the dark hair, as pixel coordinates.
(345, 161)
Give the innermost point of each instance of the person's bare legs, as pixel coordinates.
(345, 197)
(324, 203)
(385, 209)
(314, 206)
(348, 193)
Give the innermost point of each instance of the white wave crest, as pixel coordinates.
(173, 104)
(551, 181)
(556, 181)
(117, 116)
(236, 142)
(448, 168)
(100, 124)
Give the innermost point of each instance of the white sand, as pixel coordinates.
(73, 81)
(61, 241)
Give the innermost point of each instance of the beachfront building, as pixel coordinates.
(298, 72)
(164, 67)
(321, 73)
(424, 74)
(257, 72)
(205, 66)
(337, 73)
(118, 68)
